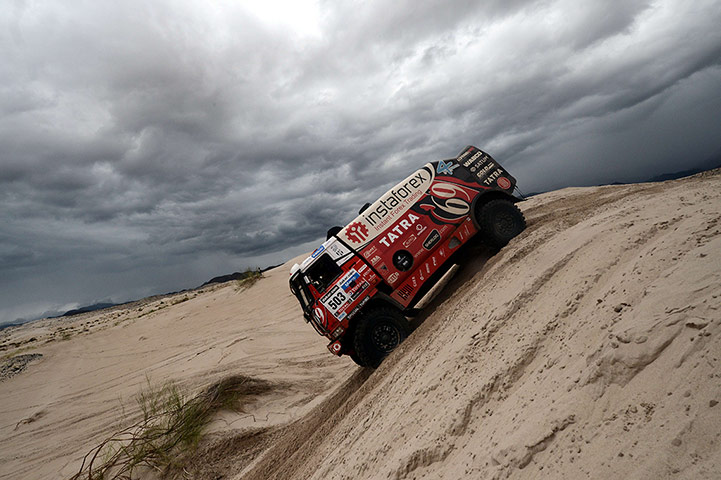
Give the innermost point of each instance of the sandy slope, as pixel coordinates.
(587, 348)
(65, 402)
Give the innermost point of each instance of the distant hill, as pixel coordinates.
(235, 276)
(89, 308)
(227, 278)
(681, 174)
(219, 279)
(710, 164)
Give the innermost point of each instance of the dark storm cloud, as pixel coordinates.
(148, 146)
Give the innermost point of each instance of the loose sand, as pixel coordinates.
(589, 347)
(68, 400)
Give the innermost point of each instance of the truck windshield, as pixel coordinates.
(323, 272)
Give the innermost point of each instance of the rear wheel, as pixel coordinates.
(378, 333)
(357, 360)
(499, 221)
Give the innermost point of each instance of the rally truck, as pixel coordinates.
(358, 288)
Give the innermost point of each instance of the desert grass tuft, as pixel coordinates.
(250, 277)
(170, 428)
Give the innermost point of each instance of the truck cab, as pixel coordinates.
(358, 287)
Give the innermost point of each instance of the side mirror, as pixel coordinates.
(332, 232)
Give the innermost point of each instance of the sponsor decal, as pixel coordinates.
(356, 232)
(404, 291)
(445, 168)
(504, 183)
(464, 155)
(399, 229)
(433, 238)
(420, 228)
(383, 267)
(375, 260)
(334, 300)
(393, 277)
(409, 241)
(349, 279)
(389, 208)
(317, 251)
(335, 347)
(387, 203)
(403, 260)
(491, 177)
(483, 167)
(336, 249)
(347, 289)
(475, 161)
(355, 293)
(368, 275)
(371, 250)
(357, 308)
(447, 202)
(482, 171)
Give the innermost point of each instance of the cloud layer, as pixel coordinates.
(145, 146)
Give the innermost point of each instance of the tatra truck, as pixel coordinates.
(358, 288)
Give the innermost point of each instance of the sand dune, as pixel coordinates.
(72, 397)
(587, 348)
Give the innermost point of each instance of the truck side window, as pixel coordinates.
(323, 272)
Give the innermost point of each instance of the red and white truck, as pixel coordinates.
(359, 286)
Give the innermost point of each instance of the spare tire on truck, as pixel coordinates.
(500, 221)
(378, 332)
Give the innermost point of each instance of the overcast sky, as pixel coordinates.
(146, 146)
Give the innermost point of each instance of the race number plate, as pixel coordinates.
(334, 300)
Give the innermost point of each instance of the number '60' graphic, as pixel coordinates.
(448, 202)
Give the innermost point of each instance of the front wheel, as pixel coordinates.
(499, 221)
(378, 333)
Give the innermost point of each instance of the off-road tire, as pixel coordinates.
(499, 221)
(378, 332)
(357, 360)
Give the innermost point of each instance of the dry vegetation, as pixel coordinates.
(251, 277)
(168, 431)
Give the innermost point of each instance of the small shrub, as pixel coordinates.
(181, 300)
(250, 277)
(169, 429)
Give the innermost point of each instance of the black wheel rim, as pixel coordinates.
(385, 337)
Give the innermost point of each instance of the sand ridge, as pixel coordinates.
(83, 387)
(586, 348)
